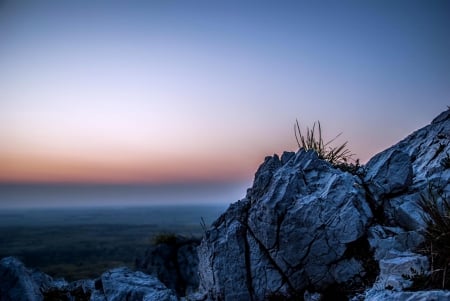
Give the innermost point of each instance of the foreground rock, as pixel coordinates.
(21, 284)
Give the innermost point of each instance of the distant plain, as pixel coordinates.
(78, 243)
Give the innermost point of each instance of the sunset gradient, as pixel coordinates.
(202, 91)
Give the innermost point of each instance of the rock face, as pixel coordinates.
(292, 231)
(306, 226)
(175, 263)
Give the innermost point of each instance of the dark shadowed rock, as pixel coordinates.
(175, 263)
(17, 283)
(61, 290)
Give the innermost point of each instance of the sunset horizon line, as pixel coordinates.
(209, 182)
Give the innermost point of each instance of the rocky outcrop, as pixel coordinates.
(174, 262)
(291, 232)
(306, 228)
(19, 283)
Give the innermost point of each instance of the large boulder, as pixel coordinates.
(388, 173)
(294, 230)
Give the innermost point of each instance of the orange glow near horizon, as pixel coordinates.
(57, 170)
(16, 169)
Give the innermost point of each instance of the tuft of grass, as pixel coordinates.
(203, 225)
(436, 214)
(313, 140)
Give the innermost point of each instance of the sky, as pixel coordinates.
(164, 92)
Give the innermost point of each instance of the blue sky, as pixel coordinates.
(201, 91)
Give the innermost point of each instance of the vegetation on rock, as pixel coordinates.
(436, 215)
(313, 140)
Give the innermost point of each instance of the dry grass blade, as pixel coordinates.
(313, 140)
(436, 215)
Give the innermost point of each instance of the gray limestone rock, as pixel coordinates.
(383, 240)
(224, 254)
(388, 173)
(291, 232)
(427, 148)
(122, 284)
(396, 267)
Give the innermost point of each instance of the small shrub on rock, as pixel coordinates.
(436, 215)
(313, 140)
